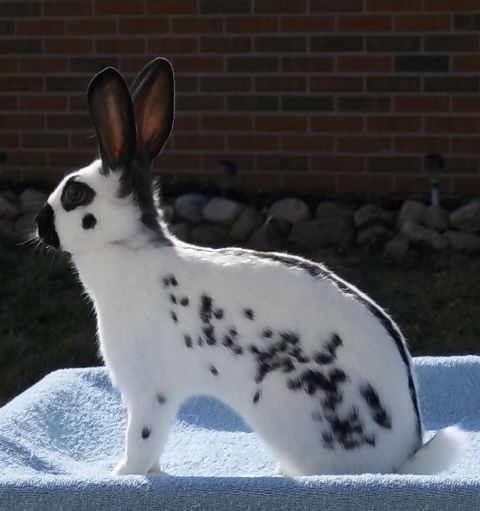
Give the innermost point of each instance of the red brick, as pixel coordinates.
(421, 144)
(67, 8)
(301, 64)
(26, 159)
(365, 64)
(336, 84)
(43, 103)
(394, 5)
(8, 103)
(22, 46)
(225, 44)
(40, 26)
(393, 124)
(44, 65)
(203, 142)
(69, 159)
(71, 46)
(393, 84)
(8, 65)
(466, 144)
(10, 140)
(123, 45)
(334, 163)
(363, 103)
(452, 124)
(307, 24)
(198, 64)
(116, 8)
(412, 184)
(462, 165)
(279, 123)
(186, 123)
(364, 23)
(394, 164)
(421, 103)
(363, 144)
(469, 104)
(252, 64)
(180, 161)
(466, 62)
(26, 84)
(136, 26)
(169, 45)
(258, 182)
(451, 5)
(245, 161)
(280, 6)
(77, 102)
(281, 162)
(422, 23)
(226, 123)
(469, 186)
(46, 141)
(252, 143)
(454, 84)
(310, 144)
(225, 84)
(198, 103)
(451, 42)
(365, 183)
(199, 25)
(171, 7)
(310, 183)
(68, 122)
(280, 83)
(83, 141)
(14, 8)
(337, 124)
(91, 26)
(251, 24)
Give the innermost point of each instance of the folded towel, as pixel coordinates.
(60, 439)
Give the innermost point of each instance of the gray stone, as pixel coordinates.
(290, 209)
(437, 218)
(411, 211)
(6, 226)
(277, 229)
(373, 238)
(222, 211)
(189, 207)
(372, 214)
(333, 209)
(467, 217)
(246, 223)
(209, 235)
(9, 209)
(463, 241)
(258, 240)
(420, 235)
(168, 213)
(397, 247)
(32, 200)
(25, 225)
(180, 230)
(323, 232)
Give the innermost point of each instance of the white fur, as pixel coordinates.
(146, 355)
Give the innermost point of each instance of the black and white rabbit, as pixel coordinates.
(312, 364)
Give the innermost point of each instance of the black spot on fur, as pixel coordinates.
(173, 299)
(188, 341)
(256, 397)
(218, 313)
(173, 281)
(89, 221)
(184, 301)
(249, 314)
(214, 370)
(161, 399)
(174, 317)
(170, 280)
(379, 414)
(206, 308)
(146, 432)
(200, 340)
(267, 333)
(329, 355)
(328, 441)
(209, 333)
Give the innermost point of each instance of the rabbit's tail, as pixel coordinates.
(439, 454)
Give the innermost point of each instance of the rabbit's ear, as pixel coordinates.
(112, 113)
(153, 93)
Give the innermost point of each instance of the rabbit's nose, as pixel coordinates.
(45, 220)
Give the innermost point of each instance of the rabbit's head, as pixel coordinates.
(111, 200)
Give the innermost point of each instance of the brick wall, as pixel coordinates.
(327, 95)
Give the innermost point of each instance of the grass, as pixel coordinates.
(46, 323)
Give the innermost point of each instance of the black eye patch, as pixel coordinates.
(76, 193)
(89, 221)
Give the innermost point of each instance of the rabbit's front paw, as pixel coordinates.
(124, 468)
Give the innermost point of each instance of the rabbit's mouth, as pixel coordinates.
(46, 226)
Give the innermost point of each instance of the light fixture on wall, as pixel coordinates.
(433, 164)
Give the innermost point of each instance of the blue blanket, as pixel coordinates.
(60, 439)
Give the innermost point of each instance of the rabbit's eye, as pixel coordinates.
(76, 194)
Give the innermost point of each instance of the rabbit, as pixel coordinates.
(317, 369)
